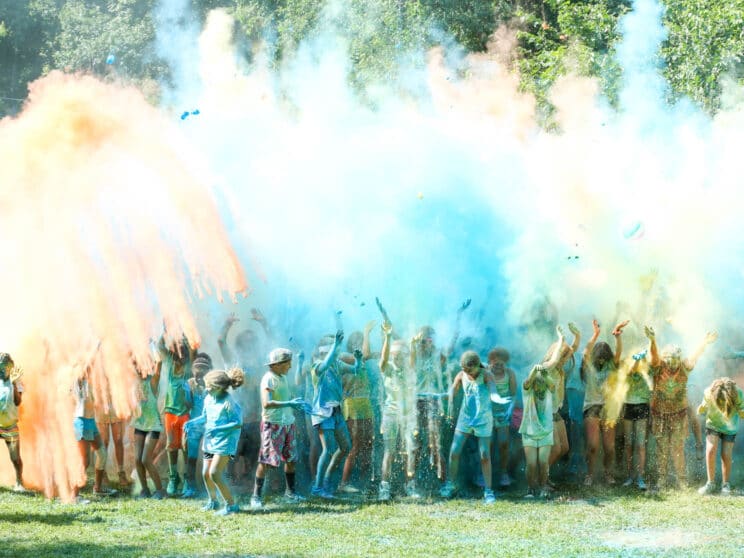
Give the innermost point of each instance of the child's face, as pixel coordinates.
(281, 368)
(496, 364)
(215, 391)
(199, 372)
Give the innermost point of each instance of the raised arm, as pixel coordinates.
(618, 334)
(258, 316)
(366, 351)
(332, 354)
(387, 331)
(227, 355)
(299, 375)
(532, 376)
(709, 339)
(653, 349)
(556, 356)
(574, 329)
(591, 342)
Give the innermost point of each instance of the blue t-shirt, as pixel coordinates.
(218, 412)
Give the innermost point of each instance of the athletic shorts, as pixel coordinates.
(174, 430)
(724, 437)
(393, 423)
(336, 420)
(532, 442)
(9, 433)
(154, 434)
(594, 411)
(207, 456)
(636, 411)
(358, 408)
(85, 429)
(278, 443)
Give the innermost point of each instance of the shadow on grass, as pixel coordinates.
(48, 518)
(17, 547)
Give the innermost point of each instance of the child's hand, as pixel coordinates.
(711, 337)
(370, 326)
(464, 306)
(231, 319)
(339, 337)
(358, 355)
(257, 316)
(297, 402)
(387, 327)
(559, 330)
(595, 326)
(650, 333)
(301, 357)
(573, 328)
(619, 328)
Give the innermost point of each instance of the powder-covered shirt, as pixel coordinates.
(558, 376)
(8, 408)
(428, 369)
(475, 411)
(670, 388)
(716, 420)
(279, 388)
(198, 394)
(502, 388)
(537, 418)
(357, 385)
(219, 412)
(177, 393)
(595, 381)
(639, 391)
(148, 419)
(400, 396)
(328, 389)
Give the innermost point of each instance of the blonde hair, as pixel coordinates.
(223, 380)
(725, 395)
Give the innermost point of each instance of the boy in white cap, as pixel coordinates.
(278, 432)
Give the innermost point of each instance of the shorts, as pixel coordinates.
(154, 434)
(358, 408)
(557, 417)
(278, 443)
(193, 441)
(9, 433)
(392, 424)
(85, 429)
(174, 430)
(669, 423)
(533, 442)
(724, 437)
(636, 411)
(250, 439)
(483, 431)
(330, 423)
(594, 411)
(207, 456)
(500, 419)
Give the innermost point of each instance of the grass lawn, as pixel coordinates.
(583, 522)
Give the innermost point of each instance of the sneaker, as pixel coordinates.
(628, 482)
(173, 485)
(530, 494)
(384, 493)
(348, 489)
(489, 497)
(588, 481)
(158, 495)
(256, 503)
(641, 484)
(545, 494)
(211, 505)
(294, 498)
(448, 490)
(105, 492)
(19, 488)
(411, 490)
(188, 489)
(707, 488)
(227, 510)
(726, 489)
(321, 492)
(144, 493)
(505, 481)
(610, 480)
(81, 501)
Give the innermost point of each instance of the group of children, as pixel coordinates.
(409, 396)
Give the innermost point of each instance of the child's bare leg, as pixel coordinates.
(560, 445)
(726, 451)
(677, 448)
(314, 453)
(117, 433)
(149, 463)
(365, 454)
(591, 426)
(328, 443)
(502, 436)
(100, 462)
(639, 445)
(630, 445)
(711, 449)
(217, 467)
(608, 444)
(139, 464)
(458, 442)
(389, 444)
(356, 442)
(208, 481)
(543, 459)
(14, 449)
(484, 448)
(343, 444)
(530, 455)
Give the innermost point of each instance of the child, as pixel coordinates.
(327, 417)
(177, 404)
(506, 386)
(635, 420)
(598, 363)
(669, 404)
(147, 428)
(278, 431)
(398, 409)
(475, 419)
(723, 405)
(11, 391)
(202, 364)
(222, 420)
(358, 412)
(112, 427)
(537, 428)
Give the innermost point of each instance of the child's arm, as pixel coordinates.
(17, 393)
(454, 390)
(618, 334)
(589, 346)
(227, 355)
(196, 421)
(332, 354)
(573, 328)
(354, 369)
(653, 348)
(299, 373)
(415, 340)
(512, 392)
(556, 356)
(257, 316)
(268, 401)
(709, 338)
(155, 379)
(387, 331)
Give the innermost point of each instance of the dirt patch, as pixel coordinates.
(652, 538)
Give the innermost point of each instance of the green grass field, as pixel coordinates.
(579, 523)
